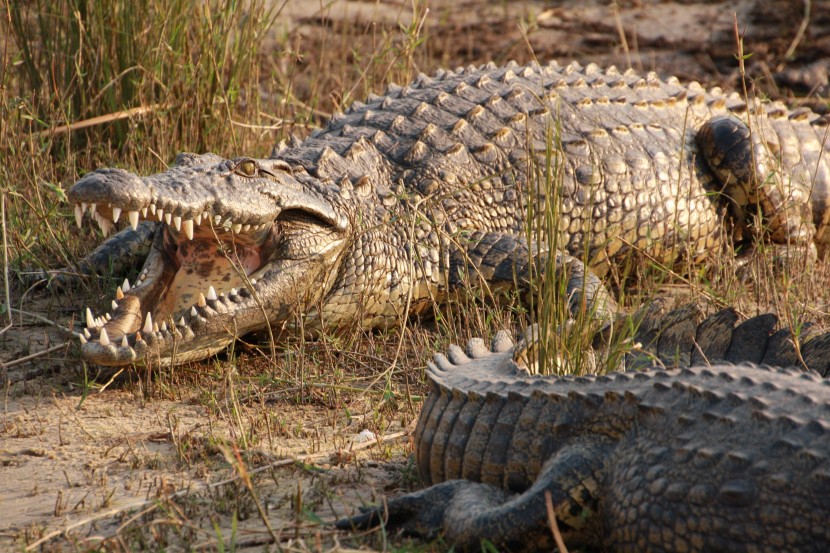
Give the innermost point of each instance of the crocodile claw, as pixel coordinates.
(422, 513)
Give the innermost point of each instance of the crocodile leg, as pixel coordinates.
(745, 161)
(116, 256)
(505, 260)
(471, 512)
(125, 250)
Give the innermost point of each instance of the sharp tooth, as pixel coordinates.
(164, 326)
(193, 312)
(155, 327)
(90, 320)
(160, 214)
(177, 222)
(201, 301)
(92, 209)
(82, 339)
(253, 281)
(144, 212)
(168, 218)
(181, 322)
(188, 228)
(83, 207)
(107, 317)
(246, 228)
(87, 335)
(211, 293)
(126, 285)
(198, 219)
(124, 342)
(137, 337)
(119, 293)
(133, 215)
(79, 215)
(148, 324)
(152, 209)
(237, 228)
(105, 226)
(217, 219)
(114, 305)
(232, 292)
(104, 339)
(116, 213)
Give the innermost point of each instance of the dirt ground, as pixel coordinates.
(136, 461)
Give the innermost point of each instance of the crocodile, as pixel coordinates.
(443, 183)
(717, 457)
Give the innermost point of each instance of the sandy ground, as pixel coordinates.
(79, 463)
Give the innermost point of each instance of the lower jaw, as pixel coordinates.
(170, 286)
(170, 353)
(213, 321)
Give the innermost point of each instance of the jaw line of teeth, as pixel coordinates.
(149, 327)
(176, 221)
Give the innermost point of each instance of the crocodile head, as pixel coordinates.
(239, 243)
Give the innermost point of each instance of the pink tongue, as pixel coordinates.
(202, 265)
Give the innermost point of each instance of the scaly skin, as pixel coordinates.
(377, 216)
(720, 458)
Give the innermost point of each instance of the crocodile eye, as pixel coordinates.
(247, 168)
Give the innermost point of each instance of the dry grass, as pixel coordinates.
(83, 87)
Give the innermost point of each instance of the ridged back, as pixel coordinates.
(630, 158)
(486, 421)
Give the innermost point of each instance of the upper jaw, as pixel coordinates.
(205, 189)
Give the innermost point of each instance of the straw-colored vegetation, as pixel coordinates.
(85, 84)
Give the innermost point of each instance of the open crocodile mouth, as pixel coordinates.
(203, 282)
(207, 258)
(239, 241)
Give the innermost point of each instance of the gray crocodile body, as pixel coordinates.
(392, 205)
(719, 458)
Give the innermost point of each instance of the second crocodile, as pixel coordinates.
(708, 458)
(393, 204)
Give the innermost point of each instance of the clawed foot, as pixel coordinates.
(461, 511)
(418, 514)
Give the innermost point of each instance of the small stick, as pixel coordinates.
(799, 36)
(20, 360)
(43, 319)
(101, 119)
(5, 259)
(554, 527)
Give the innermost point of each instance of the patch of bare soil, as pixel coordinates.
(166, 460)
(80, 466)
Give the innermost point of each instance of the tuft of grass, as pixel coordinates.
(189, 69)
(89, 83)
